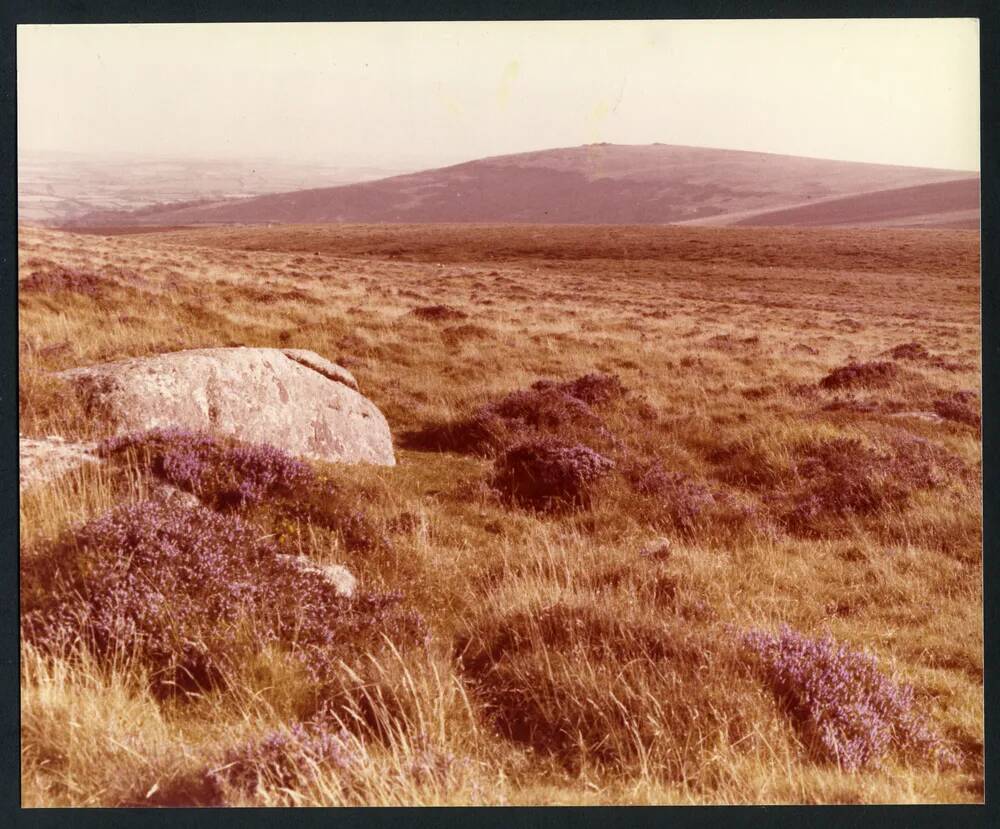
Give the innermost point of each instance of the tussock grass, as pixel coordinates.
(588, 654)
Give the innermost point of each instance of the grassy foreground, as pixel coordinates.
(594, 651)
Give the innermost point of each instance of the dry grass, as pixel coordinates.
(565, 665)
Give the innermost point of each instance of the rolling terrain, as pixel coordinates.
(604, 184)
(57, 188)
(786, 426)
(943, 204)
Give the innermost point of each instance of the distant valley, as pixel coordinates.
(59, 188)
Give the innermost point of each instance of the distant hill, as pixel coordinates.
(942, 204)
(605, 184)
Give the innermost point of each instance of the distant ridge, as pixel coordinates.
(612, 184)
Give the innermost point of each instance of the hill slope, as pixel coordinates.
(593, 184)
(941, 204)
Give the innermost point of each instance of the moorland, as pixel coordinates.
(754, 577)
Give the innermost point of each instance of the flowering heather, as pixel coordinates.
(229, 475)
(860, 374)
(918, 463)
(682, 500)
(847, 711)
(192, 593)
(220, 473)
(284, 759)
(546, 474)
(430, 764)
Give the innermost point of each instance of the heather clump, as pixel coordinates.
(837, 479)
(481, 433)
(437, 313)
(745, 463)
(59, 278)
(549, 474)
(542, 409)
(679, 500)
(593, 389)
(564, 410)
(845, 478)
(456, 335)
(329, 505)
(961, 407)
(224, 474)
(231, 475)
(860, 374)
(191, 593)
(918, 463)
(845, 709)
(286, 759)
(910, 351)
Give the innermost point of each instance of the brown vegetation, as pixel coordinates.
(622, 461)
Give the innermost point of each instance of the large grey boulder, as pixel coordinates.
(293, 399)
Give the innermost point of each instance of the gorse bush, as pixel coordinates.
(550, 474)
(191, 593)
(845, 709)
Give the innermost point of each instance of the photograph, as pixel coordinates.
(499, 413)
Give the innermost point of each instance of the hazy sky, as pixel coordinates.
(893, 91)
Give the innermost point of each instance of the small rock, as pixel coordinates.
(657, 549)
(932, 416)
(170, 494)
(342, 579)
